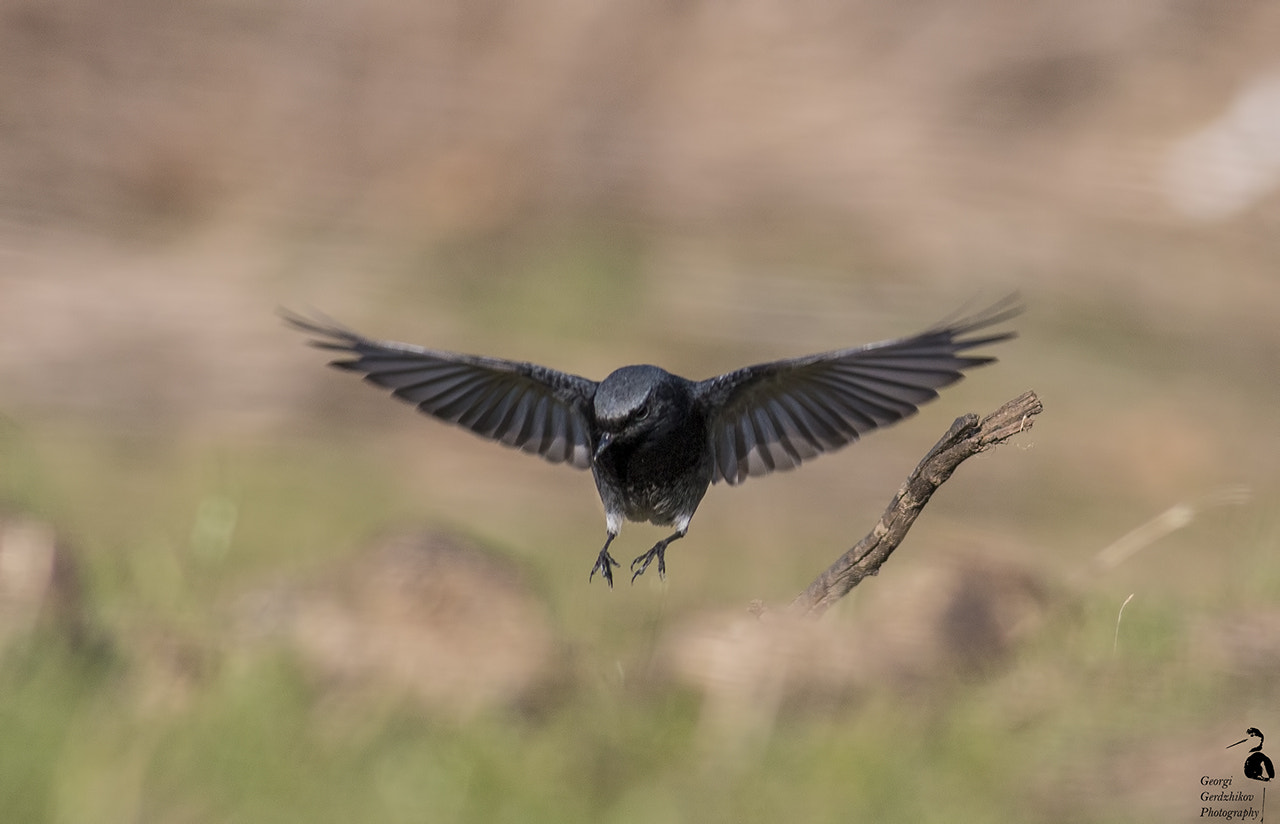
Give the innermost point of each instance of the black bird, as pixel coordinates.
(655, 441)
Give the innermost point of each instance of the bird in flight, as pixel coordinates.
(655, 441)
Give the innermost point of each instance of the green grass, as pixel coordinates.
(159, 714)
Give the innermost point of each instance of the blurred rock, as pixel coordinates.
(38, 581)
(428, 614)
(1245, 643)
(925, 626)
(955, 617)
(1232, 163)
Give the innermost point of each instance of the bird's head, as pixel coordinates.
(1252, 732)
(634, 401)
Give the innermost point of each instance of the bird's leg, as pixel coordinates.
(658, 551)
(605, 562)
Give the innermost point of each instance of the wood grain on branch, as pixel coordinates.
(967, 437)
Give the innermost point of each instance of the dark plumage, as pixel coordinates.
(655, 441)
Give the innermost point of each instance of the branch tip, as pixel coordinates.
(967, 436)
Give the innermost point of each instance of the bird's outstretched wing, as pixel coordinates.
(775, 415)
(536, 409)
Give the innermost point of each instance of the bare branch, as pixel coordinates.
(967, 437)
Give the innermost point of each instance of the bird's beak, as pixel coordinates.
(603, 444)
(1241, 741)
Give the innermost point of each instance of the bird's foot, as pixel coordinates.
(604, 565)
(659, 551)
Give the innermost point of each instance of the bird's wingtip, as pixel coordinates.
(315, 322)
(1006, 308)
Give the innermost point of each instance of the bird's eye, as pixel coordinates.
(642, 412)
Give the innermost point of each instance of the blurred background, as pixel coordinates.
(238, 586)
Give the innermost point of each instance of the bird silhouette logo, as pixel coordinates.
(1257, 766)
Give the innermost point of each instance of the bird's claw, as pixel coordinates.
(659, 551)
(604, 565)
